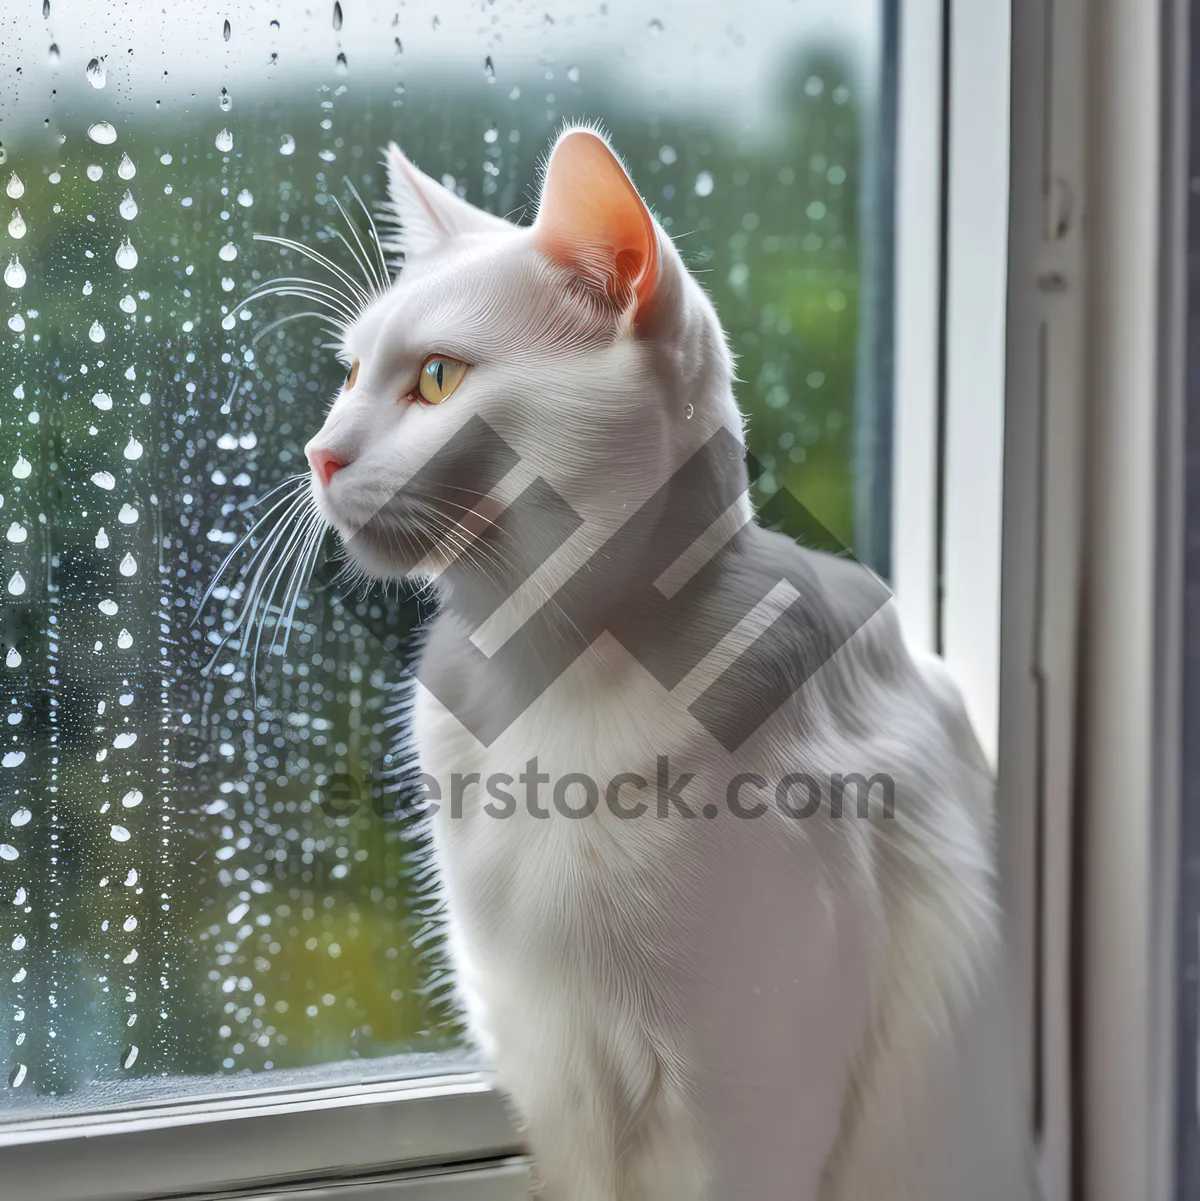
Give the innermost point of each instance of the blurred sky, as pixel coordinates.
(721, 55)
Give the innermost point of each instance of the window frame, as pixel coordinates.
(439, 1130)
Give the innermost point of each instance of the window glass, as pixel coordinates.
(198, 875)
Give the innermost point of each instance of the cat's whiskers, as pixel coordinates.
(534, 581)
(289, 558)
(294, 481)
(296, 506)
(248, 593)
(282, 563)
(333, 300)
(481, 555)
(370, 269)
(301, 574)
(264, 599)
(356, 287)
(381, 258)
(272, 326)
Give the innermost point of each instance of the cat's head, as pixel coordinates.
(577, 349)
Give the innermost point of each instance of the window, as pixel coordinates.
(211, 910)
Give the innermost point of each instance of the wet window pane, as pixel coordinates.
(201, 874)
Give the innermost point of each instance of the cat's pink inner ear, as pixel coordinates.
(592, 220)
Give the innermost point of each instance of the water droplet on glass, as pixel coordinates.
(125, 640)
(127, 304)
(130, 1054)
(104, 479)
(226, 31)
(224, 141)
(287, 144)
(132, 799)
(489, 69)
(96, 74)
(13, 658)
(94, 172)
(128, 565)
(17, 532)
(128, 515)
(128, 207)
(45, 10)
(573, 74)
(127, 257)
(102, 538)
(102, 401)
(132, 878)
(96, 333)
(274, 24)
(340, 64)
(22, 817)
(14, 273)
(7, 851)
(225, 101)
(126, 169)
(655, 26)
(704, 184)
(337, 15)
(15, 189)
(16, 585)
(134, 449)
(18, 1076)
(22, 467)
(245, 198)
(490, 134)
(16, 323)
(119, 834)
(108, 607)
(228, 252)
(102, 133)
(16, 226)
(689, 411)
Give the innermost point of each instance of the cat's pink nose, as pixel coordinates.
(325, 463)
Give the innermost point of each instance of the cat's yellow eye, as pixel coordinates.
(439, 377)
(351, 375)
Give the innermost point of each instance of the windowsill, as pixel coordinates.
(363, 1123)
(102, 1099)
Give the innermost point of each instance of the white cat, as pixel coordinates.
(733, 994)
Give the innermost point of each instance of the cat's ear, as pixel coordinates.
(592, 221)
(425, 212)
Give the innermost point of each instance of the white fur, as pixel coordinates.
(716, 1009)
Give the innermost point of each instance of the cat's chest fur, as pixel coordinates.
(656, 964)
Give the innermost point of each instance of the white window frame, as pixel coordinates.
(447, 1138)
(1044, 559)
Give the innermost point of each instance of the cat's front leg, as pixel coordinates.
(573, 1153)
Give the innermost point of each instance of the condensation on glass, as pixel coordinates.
(200, 873)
